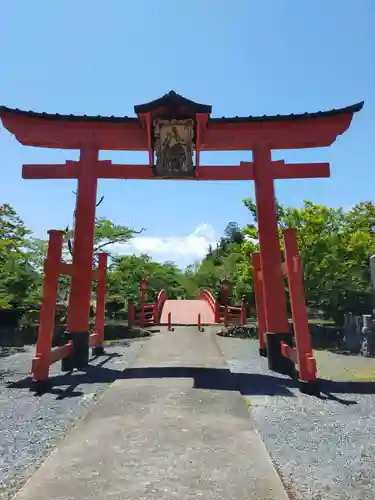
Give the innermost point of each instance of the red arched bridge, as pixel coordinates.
(205, 310)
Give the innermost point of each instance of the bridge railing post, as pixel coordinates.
(226, 316)
(170, 322)
(131, 314)
(243, 313)
(200, 328)
(217, 312)
(156, 314)
(141, 315)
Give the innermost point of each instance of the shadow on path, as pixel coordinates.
(65, 385)
(329, 390)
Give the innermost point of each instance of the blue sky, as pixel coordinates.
(242, 57)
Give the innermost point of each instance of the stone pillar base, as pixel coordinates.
(41, 386)
(276, 361)
(98, 351)
(263, 352)
(310, 388)
(79, 359)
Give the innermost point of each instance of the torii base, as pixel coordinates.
(79, 359)
(310, 388)
(98, 351)
(276, 361)
(263, 352)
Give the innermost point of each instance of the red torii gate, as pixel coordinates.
(170, 129)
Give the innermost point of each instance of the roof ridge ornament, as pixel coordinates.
(174, 101)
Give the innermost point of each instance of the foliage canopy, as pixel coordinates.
(335, 247)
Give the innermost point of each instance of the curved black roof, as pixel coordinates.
(353, 108)
(74, 118)
(172, 100)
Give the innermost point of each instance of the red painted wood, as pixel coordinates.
(100, 299)
(39, 363)
(243, 313)
(131, 315)
(272, 277)
(300, 170)
(169, 323)
(281, 170)
(288, 134)
(289, 352)
(201, 127)
(131, 136)
(259, 299)
(185, 312)
(65, 171)
(65, 134)
(160, 301)
(245, 171)
(81, 282)
(225, 173)
(306, 368)
(47, 313)
(212, 302)
(118, 171)
(60, 352)
(65, 269)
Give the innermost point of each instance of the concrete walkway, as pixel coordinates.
(174, 428)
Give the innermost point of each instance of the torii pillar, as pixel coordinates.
(273, 279)
(264, 171)
(78, 321)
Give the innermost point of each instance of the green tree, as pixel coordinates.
(127, 271)
(13, 231)
(18, 279)
(335, 248)
(107, 233)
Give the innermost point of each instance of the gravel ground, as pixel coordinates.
(323, 448)
(30, 425)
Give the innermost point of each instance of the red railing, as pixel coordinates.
(160, 301)
(224, 314)
(232, 315)
(214, 305)
(150, 313)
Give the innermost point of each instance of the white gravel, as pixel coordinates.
(324, 449)
(30, 425)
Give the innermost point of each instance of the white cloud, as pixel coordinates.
(191, 247)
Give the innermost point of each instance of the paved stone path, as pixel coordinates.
(185, 312)
(174, 428)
